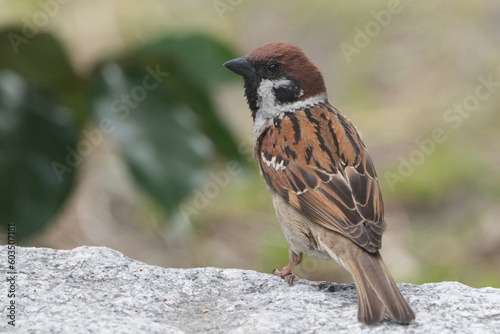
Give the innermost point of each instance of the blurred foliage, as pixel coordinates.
(155, 102)
(34, 131)
(442, 217)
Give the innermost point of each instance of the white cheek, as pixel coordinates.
(266, 100)
(267, 106)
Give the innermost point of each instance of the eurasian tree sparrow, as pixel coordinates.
(321, 178)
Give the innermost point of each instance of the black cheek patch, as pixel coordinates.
(288, 93)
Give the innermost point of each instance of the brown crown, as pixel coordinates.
(294, 63)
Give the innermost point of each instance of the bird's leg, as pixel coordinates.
(286, 272)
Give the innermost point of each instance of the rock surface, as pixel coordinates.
(99, 290)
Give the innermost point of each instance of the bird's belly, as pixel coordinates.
(298, 230)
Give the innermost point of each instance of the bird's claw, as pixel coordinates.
(288, 276)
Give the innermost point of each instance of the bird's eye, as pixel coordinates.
(273, 67)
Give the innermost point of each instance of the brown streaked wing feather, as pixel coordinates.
(316, 161)
(365, 188)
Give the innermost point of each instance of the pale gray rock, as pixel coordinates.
(99, 290)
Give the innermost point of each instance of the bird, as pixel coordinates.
(321, 179)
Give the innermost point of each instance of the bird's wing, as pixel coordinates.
(315, 160)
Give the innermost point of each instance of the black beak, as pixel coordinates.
(241, 66)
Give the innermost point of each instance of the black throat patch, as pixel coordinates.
(251, 86)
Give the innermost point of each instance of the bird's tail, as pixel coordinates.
(378, 295)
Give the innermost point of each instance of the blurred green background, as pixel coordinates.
(119, 127)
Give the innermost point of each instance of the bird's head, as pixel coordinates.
(278, 77)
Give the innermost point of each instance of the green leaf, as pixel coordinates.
(195, 65)
(159, 137)
(41, 59)
(35, 132)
